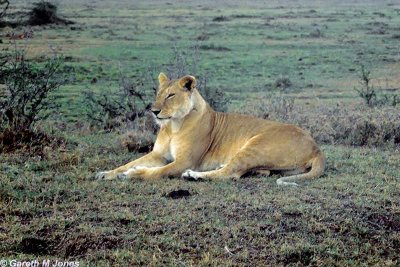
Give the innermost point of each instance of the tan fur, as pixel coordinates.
(196, 142)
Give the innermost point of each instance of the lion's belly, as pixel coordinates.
(221, 154)
(209, 165)
(212, 162)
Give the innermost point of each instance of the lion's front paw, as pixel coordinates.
(104, 175)
(191, 175)
(135, 172)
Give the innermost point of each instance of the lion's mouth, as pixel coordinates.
(161, 119)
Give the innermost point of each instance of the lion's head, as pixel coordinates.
(174, 98)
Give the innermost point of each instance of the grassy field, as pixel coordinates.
(52, 208)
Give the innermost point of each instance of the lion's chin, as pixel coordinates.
(161, 121)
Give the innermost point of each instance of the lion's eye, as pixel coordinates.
(170, 96)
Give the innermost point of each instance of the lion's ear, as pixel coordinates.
(187, 82)
(162, 78)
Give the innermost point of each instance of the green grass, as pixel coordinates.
(350, 216)
(50, 206)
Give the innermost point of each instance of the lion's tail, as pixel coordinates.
(317, 169)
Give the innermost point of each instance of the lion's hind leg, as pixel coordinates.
(248, 158)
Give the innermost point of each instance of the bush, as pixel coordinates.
(44, 12)
(111, 110)
(123, 111)
(356, 125)
(115, 109)
(316, 33)
(283, 82)
(25, 97)
(24, 100)
(220, 18)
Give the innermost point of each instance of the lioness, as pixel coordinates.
(196, 142)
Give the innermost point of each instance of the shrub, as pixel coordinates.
(123, 111)
(44, 12)
(220, 19)
(316, 33)
(115, 109)
(214, 47)
(283, 82)
(25, 98)
(366, 92)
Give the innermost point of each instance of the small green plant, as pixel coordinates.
(283, 82)
(367, 91)
(370, 96)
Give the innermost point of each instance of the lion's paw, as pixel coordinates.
(191, 175)
(139, 168)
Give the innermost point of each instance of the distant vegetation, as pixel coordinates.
(45, 13)
(41, 13)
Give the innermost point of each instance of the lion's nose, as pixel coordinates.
(155, 111)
